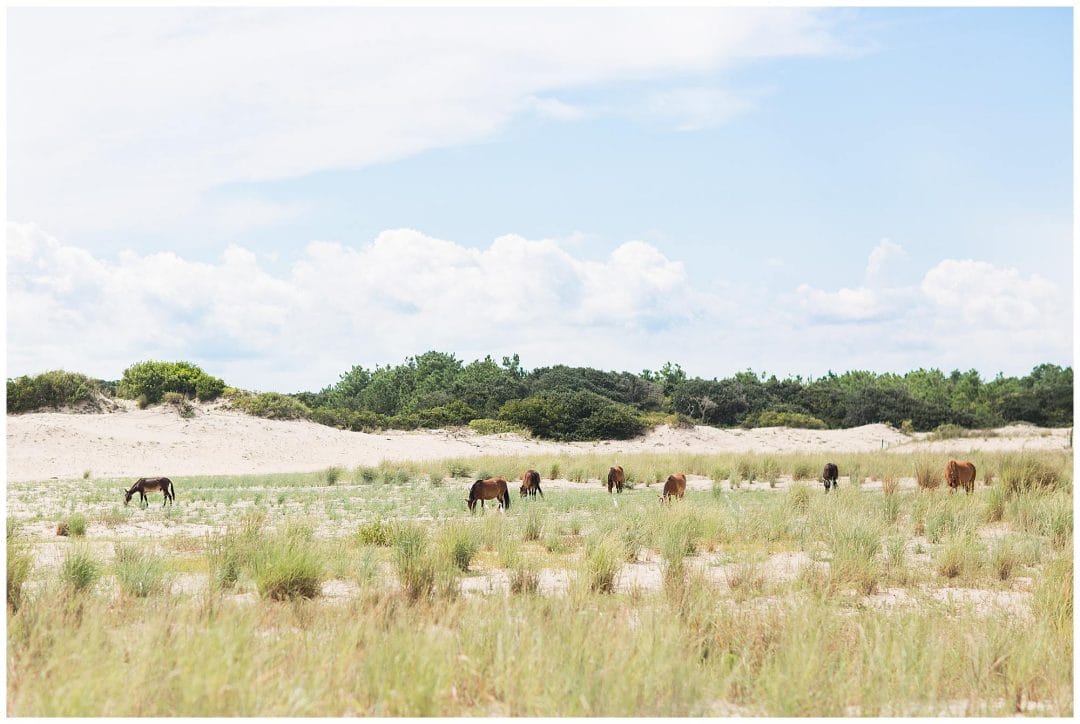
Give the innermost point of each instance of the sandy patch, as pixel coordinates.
(130, 443)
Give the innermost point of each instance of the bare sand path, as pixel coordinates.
(130, 442)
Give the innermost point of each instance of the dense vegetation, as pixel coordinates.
(580, 403)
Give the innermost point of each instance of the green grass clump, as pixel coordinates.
(959, 556)
(1052, 599)
(798, 498)
(535, 520)
(19, 563)
(332, 474)
(376, 533)
(1004, 558)
(928, 473)
(1028, 473)
(137, 572)
(289, 567)
(422, 573)
(460, 543)
(74, 525)
(855, 545)
(365, 474)
(79, 571)
(602, 563)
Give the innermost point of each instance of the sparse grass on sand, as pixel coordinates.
(377, 593)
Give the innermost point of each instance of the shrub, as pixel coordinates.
(180, 403)
(774, 418)
(53, 389)
(273, 406)
(959, 556)
(153, 379)
(488, 426)
(578, 415)
(365, 474)
(948, 431)
(332, 474)
(376, 533)
(455, 412)
(803, 471)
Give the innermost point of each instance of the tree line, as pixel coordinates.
(435, 389)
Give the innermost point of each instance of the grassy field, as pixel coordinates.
(374, 592)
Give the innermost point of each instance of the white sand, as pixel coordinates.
(130, 443)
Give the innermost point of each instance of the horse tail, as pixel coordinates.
(506, 497)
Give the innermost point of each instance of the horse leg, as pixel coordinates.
(539, 490)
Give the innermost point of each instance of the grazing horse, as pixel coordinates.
(144, 485)
(959, 473)
(616, 478)
(530, 484)
(830, 476)
(674, 487)
(486, 490)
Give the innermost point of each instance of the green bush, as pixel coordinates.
(488, 426)
(575, 416)
(376, 533)
(773, 418)
(272, 405)
(455, 412)
(53, 389)
(152, 379)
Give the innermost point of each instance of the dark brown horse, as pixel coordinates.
(959, 473)
(830, 476)
(530, 483)
(616, 478)
(143, 486)
(486, 490)
(674, 487)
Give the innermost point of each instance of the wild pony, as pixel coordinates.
(530, 483)
(616, 478)
(674, 487)
(830, 476)
(486, 490)
(959, 473)
(143, 486)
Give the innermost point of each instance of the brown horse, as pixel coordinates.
(530, 484)
(486, 490)
(616, 478)
(674, 487)
(830, 476)
(960, 473)
(143, 486)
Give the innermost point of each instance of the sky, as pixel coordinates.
(280, 194)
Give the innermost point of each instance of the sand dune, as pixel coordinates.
(130, 442)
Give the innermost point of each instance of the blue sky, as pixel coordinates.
(716, 187)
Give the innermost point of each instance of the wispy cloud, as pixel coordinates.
(127, 117)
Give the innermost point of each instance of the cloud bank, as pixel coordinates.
(405, 292)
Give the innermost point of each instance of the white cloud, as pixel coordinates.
(403, 293)
(882, 253)
(693, 109)
(128, 116)
(979, 293)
